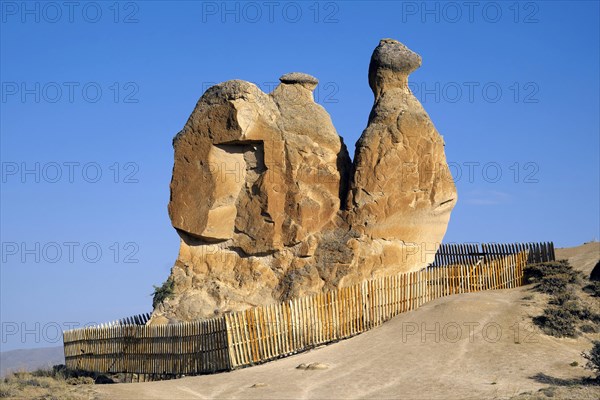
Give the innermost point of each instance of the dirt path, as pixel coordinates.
(478, 345)
(471, 346)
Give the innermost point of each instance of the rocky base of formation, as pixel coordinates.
(269, 205)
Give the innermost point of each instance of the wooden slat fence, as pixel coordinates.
(178, 349)
(264, 333)
(450, 253)
(139, 319)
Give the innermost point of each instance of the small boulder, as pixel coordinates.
(317, 366)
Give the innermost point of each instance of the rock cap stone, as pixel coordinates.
(298, 77)
(393, 55)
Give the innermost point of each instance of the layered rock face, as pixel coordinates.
(269, 206)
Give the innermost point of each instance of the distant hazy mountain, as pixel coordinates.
(30, 359)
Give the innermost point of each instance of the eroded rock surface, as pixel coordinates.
(269, 206)
(402, 190)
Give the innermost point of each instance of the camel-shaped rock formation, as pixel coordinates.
(269, 205)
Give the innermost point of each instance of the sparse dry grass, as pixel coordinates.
(51, 384)
(570, 309)
(579, 392)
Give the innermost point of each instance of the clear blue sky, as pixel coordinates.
(512, 87)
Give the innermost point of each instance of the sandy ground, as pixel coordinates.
(470, 346)
(583, 257)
